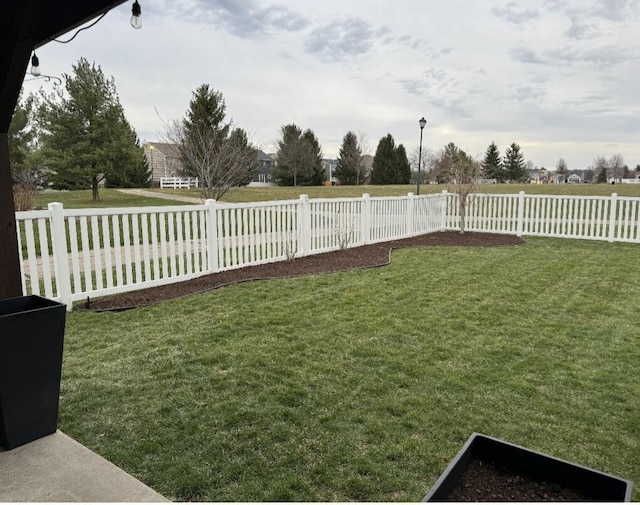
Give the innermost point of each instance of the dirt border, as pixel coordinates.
(367, 256)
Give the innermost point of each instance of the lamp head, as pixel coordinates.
(422, 123)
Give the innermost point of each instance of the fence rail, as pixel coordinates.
(71, 254)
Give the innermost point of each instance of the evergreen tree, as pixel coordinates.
(239, 139)
(602, 175)
(349, 167)
(206, 113)
(290, 156)
(401, 168)
(514, 164)
(313, 159)
(21, 134)
(299, 158)
(85, 135)
(492, 164)
(219, 157)
(384, 162)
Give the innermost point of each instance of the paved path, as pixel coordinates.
(58, 469)
(166, 196)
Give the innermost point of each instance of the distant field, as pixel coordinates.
(115, 198)
(108, 198)
(237, 195)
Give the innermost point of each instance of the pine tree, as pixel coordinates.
(602, 175)
(220, 159)
(382, 170)
(299, 158)
(314, 169)
(206, 113)
(402, 168)
(21, 134)
(492, 164)
(514, 164)
(349, 166)
(85, 135)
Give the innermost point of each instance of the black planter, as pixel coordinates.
(31, 340)
(592, 484)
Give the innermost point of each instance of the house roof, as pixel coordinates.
(170, 150)
(262, 156)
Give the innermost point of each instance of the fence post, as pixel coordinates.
(520, 222)
(304, 226)
(612, 216)
(444, 206)
(365, 218)
(411, 204)
(60, 254)
(212, 235)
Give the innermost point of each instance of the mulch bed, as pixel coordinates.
(485, 482)
(366, 256)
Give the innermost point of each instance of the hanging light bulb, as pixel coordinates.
(136, 21)
(35, 66)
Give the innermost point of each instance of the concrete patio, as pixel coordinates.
(56, 468)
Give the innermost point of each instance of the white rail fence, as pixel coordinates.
(612, 218)
(178, 182)
(71, 255)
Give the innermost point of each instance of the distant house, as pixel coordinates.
(543, 176)
(264, 174)
(163, 160)
(574, 179)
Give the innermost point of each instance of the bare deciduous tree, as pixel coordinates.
(425, 164)
(219, 163)
(616, 165)
(463, 175)
(25, 188)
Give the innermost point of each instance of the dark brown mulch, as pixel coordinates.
(336, 261)
(485, 482)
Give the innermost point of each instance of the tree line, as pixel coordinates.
(78, 137)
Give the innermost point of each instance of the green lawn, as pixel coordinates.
(108, 198)
(363, 385)
(255, 194)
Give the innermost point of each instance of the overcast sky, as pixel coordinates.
(559, 77)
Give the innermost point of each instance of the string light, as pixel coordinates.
(35, 66)
(136, 21)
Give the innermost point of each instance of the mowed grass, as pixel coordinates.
(259, 194)
(115, 198)
(363, 385)
(82, 199)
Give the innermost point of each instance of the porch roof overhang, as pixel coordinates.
(26, 25)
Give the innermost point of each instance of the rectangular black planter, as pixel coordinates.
(31, 341)
(596, 485)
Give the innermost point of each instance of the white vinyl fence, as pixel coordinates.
(178, 182)
(70, 255)
(612, 218)
(74, 254)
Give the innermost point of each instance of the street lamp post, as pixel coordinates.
(422, 124)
